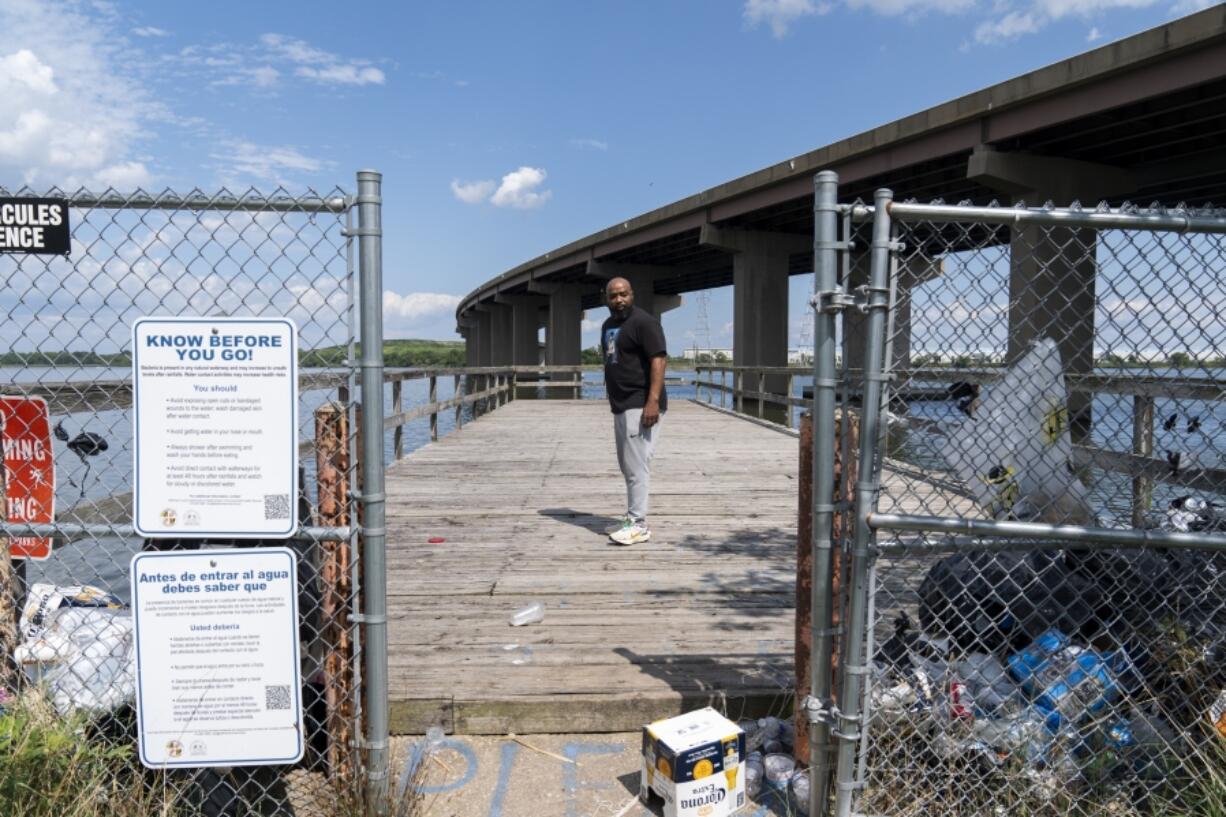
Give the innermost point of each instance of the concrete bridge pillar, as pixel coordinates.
(913, 270)
(563, 324)
(1052, 271)
(501, 334)
(481, 328)
(642, 278)
(524, 329)
(760, 269)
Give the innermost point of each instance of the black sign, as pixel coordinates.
(34, 226)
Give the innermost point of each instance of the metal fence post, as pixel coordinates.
(1142, 446)
(855, 668)
(825, 383)
(374, 555)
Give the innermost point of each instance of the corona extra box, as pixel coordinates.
(693, 762)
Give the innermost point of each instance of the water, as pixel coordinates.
(104, 561)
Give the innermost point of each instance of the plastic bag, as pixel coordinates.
(1015, 453)
(984, 600)
(77, 642)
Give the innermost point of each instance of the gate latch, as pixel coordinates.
(820, 711)
(831, 300)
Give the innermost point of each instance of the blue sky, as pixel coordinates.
(503, 129)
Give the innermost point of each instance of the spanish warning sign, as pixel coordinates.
(29, 471)
(34, 226)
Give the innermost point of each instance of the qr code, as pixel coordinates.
(276, 697)
(276, 506)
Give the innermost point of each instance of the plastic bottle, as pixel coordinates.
(531, 614)
(800, 789)
(754, 773)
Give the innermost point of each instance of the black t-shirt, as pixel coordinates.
(628, 345)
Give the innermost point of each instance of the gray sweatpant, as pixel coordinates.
(635, 445)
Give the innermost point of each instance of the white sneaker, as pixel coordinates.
(631, 535)
(623, 522)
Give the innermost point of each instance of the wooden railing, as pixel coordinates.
(1140, 464)
(484, 388)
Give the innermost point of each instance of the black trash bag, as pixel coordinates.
(985, 601)
(1132, 583)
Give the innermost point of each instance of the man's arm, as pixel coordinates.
(651, 410)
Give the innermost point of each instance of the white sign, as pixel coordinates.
(217, 667)
(215, 422)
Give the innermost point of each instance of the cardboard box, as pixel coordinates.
(693, 762)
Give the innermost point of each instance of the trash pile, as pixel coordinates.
(770, 765)
(1071, 671)
(77, 642)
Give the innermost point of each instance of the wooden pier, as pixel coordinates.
(704, 613)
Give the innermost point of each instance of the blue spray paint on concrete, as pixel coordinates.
(509, 750)
(419, 754)
(570, 772)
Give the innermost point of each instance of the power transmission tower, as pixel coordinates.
(702, 326)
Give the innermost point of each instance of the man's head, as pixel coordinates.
(619, 297)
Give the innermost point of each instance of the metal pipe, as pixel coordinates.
(825, 387)
(1063, 217)
(173, 201)
(854, 667)
(70, 530)
(1038, 534)
(374, 554)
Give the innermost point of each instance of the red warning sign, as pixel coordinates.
(29, 471)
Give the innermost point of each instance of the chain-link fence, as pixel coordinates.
(1035, 607)
(69, 730)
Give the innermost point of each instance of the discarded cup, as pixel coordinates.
(531, 614)
(779, 769)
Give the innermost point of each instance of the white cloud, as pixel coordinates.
(779, 14)
(403, 311)
(518, 189)
(894, 8)
(257, 76)
(319, 65)
(1011, 26)
(150, 31)
(72, 112)
(591, 326)
(240, 161)
(1093, 35)
(24, 68)
(472, 192)
(342, 74)
(590, 144)
(1191, 6)
(124, 176)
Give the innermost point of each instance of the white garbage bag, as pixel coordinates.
(1015, 453)
(77, 642)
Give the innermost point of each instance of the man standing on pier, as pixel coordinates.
(632, 344)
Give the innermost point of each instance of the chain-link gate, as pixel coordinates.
(67, 727)
(1035, 611)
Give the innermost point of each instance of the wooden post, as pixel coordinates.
(1143, 446)
(579, 385)
(9, 602)
(433, 413)
(788, 407)
(846, 438)
(738, 389)
(761, 393)
(397, 408)
(459, 408)
(723, 387)
(336, 588)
